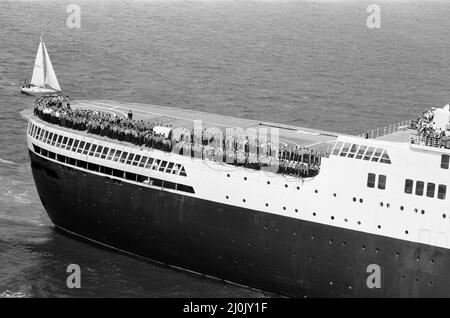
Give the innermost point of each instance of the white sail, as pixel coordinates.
(38, 78)
(51, 79)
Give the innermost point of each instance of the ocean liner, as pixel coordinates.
(306, 217)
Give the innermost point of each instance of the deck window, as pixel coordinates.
(183, 172)
(430, 189)
(81, 147)
(156, 164)
(92, 150)
(408, 186)
(369, 153)
(64, 142)
(44, 140)
(117, 155)
(444, 161)
(123, 157)
(163, 166)
(98, 151)
(371, 180)
(169, 167)
(55, 137)
(136, 160)
(419, 187)
(86, 148)
(75, 144)
(337, 148)
(69, 144)
(143, 161)
(104, 152)
(442, 191)
(58, 144)
(381, 182)
(38, 132)
(110, 154)
(130, 159)
(176, 169)
(149, 163)
(361, 151)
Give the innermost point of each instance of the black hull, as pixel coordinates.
(269, 252)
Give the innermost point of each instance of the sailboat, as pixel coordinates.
(44, 79)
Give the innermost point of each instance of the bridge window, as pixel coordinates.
(385, 158)
(98, 151)
(110, 154)
(361, 152)
(430, 189)
(369, 153)
(419, 187)
(345, 149)
(442, 189)
(149, 163)
(117, 155)
(55, 137)
(81, 147)
(408, 186)
(143, 161)
(337, 148)
(58, 144)
(381, 182)
(352, 152)
(169, 167)
(92, 150)
(136, 160)
(163, 166)
(444, 161)
(69, 144)
(377, 154)
(75, 145)
(371, 180)
(156, 164)
(130, 159)
(64, 142)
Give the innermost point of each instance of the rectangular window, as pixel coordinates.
(183, 172)
(377, 154)
(143, 161)
(408, 186)
(136, 160)
(156, 164)
(38, 132)
(49, 139)
(176, 169)
(45, 137)
(69, 144)
(163, 166)
(123, 157)
(98, 151)
(55, 137)
(371, 180)
(419, 187)
(369, 153)
(81, 147)
(345, 149)
(110, 154)
(86, 148)
(130, 159)
(58, 144)
(92, 150)
(337, 148)
(442, 191)
(361, 152)
(352, 152)
(104, 152)
(444, 161)
(430, 189)
(64, 142)
(381, 182)
(149, 163)
(75, 144)
(169, 167)
(117, 155)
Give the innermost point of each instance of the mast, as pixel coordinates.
(44, 68)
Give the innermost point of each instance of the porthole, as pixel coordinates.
(332, 217)
(432, 261)
(360, 200)
(227, 197)
(401, 208)
(363, 247)
(298, 188)
(359, 222)
(228, 175)
(388, 205)
(243, 200)
(285, 185)
(381, 204)
(334, 194)
(354, 199)
(406, 232)
(245, 178)
(267, 204)
(444, 216)
(345, 220)
(268, 182)
(316, 191)
(284, 208)
(379, 227)
(314, 214)
(296, 210)
(415, 210)
(422, 212)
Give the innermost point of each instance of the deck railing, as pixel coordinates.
(386, 130)
(430, 141)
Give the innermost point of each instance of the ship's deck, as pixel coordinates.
(177, 117)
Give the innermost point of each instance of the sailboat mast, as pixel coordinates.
(43, 61)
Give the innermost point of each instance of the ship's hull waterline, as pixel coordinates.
(270, 252)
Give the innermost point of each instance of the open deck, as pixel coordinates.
(177, 117)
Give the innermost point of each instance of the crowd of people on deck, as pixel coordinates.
(427, 131)
(234, 148)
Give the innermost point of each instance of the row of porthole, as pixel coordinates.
(268, 182)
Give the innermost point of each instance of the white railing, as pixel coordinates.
(429, 141)
(376, 133)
